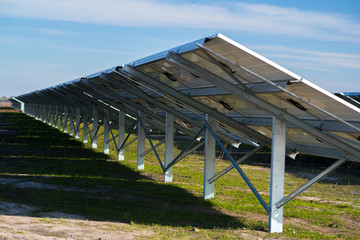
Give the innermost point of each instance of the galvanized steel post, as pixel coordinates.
(77, 131)
(121, 153)
(141, 142)
(85, 127)
(169, 145)
(106, 133)
(209, 168)
(277, 174)
(95, 127)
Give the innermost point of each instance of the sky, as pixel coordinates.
(44, 43)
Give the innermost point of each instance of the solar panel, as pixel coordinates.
(233, 61)
(218, 86)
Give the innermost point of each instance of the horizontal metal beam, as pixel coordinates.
(257, 87)
(125, 84)
(145, 79)
(207, 51)
(262, 104)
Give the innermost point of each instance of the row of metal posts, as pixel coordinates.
(59, 116)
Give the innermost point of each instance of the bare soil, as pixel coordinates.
(16, 223)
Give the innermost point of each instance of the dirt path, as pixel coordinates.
(16, 223)
(22, 227)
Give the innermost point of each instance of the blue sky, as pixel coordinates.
(44, 43)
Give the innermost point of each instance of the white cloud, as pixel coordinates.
(311, 59)
(48, 31)
(90, 50)
(259, 18)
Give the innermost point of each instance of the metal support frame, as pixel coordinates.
(119, 146)
(243, 175)
(145, 79)
(125, 143)
(277, 174)
(305, 186)
(106, 133)
(85, 127)
(142, 125)
(66, 118)
(61, 118)
(149, 150)
(179, 157)
(56, 124)
(48, 115)
(200, 144)
(22, 104)
(210, 151)
(262, 104)
(207, 51)
(141, 142)
(95, 128)
(240, 160)
(121, 139)
(71, 122)
(130, 142)
(53, 115)
(127, 104)
(77, 130)
(169, 146)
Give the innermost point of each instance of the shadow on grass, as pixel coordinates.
(47, 169)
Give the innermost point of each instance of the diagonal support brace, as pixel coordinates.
(243, 175)
(240, 160)
(152, 145)
(178, 157)
(305, 186)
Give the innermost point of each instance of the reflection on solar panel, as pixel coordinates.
(213, 88)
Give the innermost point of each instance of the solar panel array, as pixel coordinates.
(241, 89)
(217, 77)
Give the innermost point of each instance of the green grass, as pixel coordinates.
(98, 187)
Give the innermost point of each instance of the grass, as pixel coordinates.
(94, 185)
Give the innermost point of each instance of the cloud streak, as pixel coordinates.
(48, 31)
(312, 59)
(258, 18)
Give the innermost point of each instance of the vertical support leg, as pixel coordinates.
(49, 115)
(71, 122)
(39, 111)
(121, 154)
(95, 126)
(57, 124)
(106, 133)
(77, 133)
(169, 145)
(53, 118)
(85, 128)
(277, 175)
(36, 111)
(22, 104)
(141, 143)
(43, 113)
(209, 170)
(61, 117)
(46, 114)
(66, 116)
